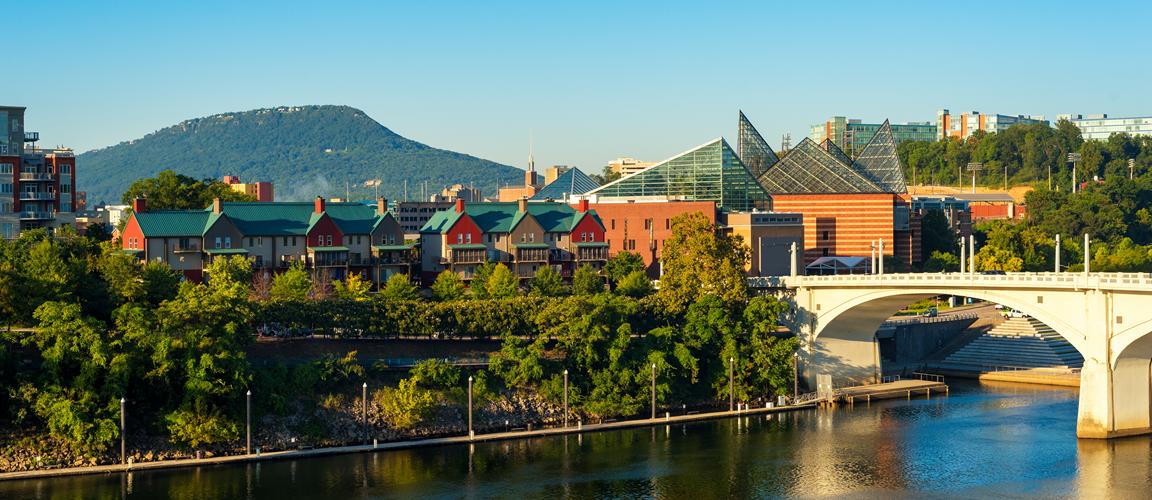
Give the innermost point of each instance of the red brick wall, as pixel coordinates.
(624, 222)
(132, 230)
(325, 226)
(851, 222)
(588, 225)
(464, 226)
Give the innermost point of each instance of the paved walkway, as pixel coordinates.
(395, 445)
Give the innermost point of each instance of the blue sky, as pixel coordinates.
(589, 81)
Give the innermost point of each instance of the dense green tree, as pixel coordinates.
(635, 285)
(547, 283)
(586, 281)
(622, 265)
(448, 286)
(936, 235)
(172, 191)
(479, 283)
(502, 283)
(698, 259)
(355, 287)
(293, 284)
(399, 287)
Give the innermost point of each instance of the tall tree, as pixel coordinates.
(547, 283)
(586, 281)
(700, 260)
(502, 284)
(448, 286)
(172, 191)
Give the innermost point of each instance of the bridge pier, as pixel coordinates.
(1114, 402)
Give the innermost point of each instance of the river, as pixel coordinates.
(983, 440)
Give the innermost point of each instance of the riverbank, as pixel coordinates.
(1035, 376)
(576, 428)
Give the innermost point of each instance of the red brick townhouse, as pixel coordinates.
(338, 238)
(522, 235)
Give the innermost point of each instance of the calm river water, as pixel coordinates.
(983, 440)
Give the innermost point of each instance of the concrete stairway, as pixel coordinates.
(1017, 342)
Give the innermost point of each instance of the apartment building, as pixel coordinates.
(37, 187)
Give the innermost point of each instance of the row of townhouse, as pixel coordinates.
(524, 236)
(336, 238)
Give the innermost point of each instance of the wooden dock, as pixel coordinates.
(892, 390)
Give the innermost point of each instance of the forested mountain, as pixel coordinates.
(306, 151)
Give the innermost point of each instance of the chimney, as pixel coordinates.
(139, 205)
(319, 205)
(381, 206)
(582, 206)
(522, 205)
(217, 206)
(459, 205)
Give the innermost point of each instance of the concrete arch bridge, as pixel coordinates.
(1105, 316)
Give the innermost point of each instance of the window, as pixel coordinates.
(260, 241)
(469, 238)
(329, 240)
(523, 237)
(531, 237)
(459, 239)
(613, 223)
(647, 223)
(667, 223)
(227, 242)
(293, 241)
(5, 188)
(184, 243)
(824, 236)
(219, 242)
(65, 168)
(285, 241)
(5, 168)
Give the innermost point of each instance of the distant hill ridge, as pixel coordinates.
(305, 150)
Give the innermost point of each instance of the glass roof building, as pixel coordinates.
(812, 168)
(711, 172)
(753, 150)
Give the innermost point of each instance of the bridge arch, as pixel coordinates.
(1107, 318)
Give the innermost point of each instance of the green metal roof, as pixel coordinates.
(391, 247)
(530, 245)
(468, 246)
(295, 218)
(173, 223)
(591, 244)
(224, 251)
(502, 217)
(329, 249)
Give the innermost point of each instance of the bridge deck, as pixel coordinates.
(891, 390)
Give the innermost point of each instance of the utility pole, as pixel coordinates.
(565, 397)
(248, 441)
(731, 392)
(1057, 253)
(364, 410)
(470, 434)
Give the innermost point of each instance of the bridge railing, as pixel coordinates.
(918, 320)
(1046, 279)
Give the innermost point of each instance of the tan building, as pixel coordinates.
(628, 166)
(769, 236)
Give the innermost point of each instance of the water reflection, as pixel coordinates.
(980, 441)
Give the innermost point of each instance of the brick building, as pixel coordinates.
(524, 236)
(37, 187)
(333, 238)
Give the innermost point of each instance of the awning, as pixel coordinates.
(225, 251)
(391, 248)
(468, 246)
(328, 249)
(591, 244)
(530, 245)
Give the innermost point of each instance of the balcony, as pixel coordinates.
(36, 216)
(34, 176)
(189, 248)
(24, 196)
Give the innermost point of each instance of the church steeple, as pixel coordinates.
(530, 177)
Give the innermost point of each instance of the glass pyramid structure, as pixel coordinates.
(753, 150)
(836, 152)
(711, 172)
(809, 168)
(571, 182)
(878, 161)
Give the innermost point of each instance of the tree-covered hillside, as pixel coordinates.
(306, 151)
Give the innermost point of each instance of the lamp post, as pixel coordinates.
(248, 420)
(1057, 253)
(123, 458)
(565, 397)
(364, 409)
(653, 391)
(1074, 158)
(731, 393)
(470, 406)
(975, 167)
(1131, 168)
